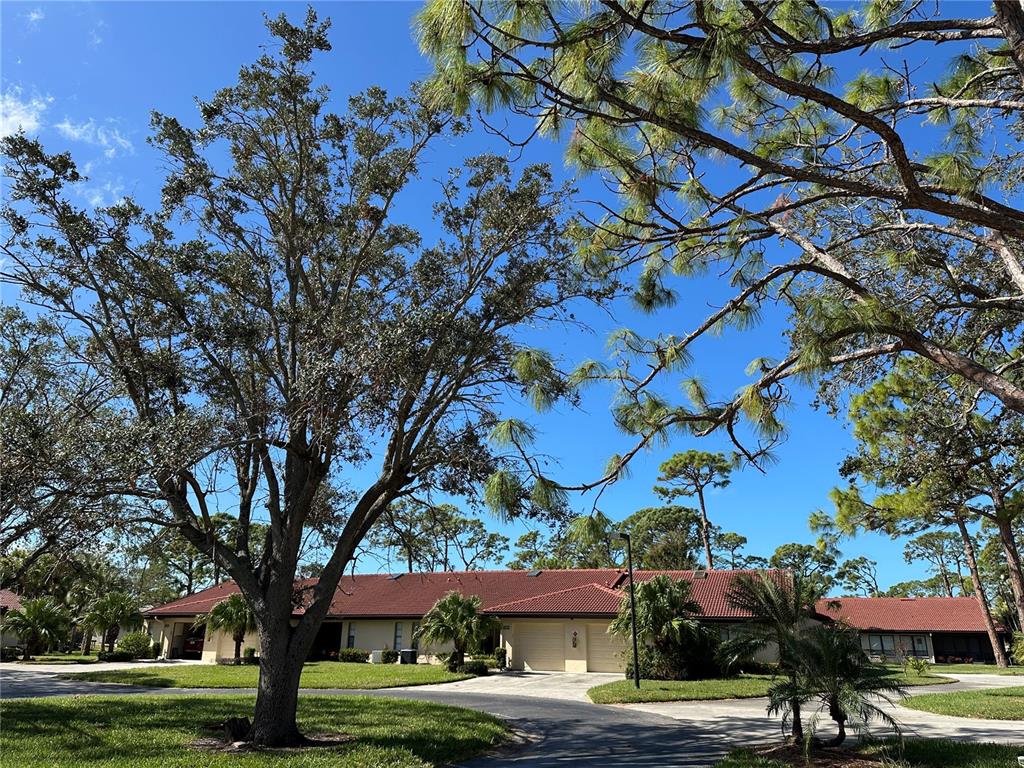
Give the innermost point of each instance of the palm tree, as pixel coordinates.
(40, 623)
(232, 615)
(836, 672)
(664, 613)
(111, 612)
(780, 610)
(456, 619)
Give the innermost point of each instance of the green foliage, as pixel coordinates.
(233, 616)
(475, 667)
(138, 645)
(456, 619)
(389, 656)
(354, 655)
(109, 613)
(40, 623)
(1017, 648)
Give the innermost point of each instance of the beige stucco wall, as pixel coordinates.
(575, 634)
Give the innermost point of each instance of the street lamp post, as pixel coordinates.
(621, 536)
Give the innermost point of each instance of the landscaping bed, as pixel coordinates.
(160, 731)
(61, 658)
(320, 674)
(988, 704)
(891, 753)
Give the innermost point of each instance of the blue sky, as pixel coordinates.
(85, 76)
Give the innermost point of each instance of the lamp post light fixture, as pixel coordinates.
(622, 536)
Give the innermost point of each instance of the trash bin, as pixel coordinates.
(407, 656)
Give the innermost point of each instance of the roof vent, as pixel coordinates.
(533, 574)
(394, 577)
(699, 575)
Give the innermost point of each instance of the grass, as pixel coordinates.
(155, 731)
(624, 692)
(320, 674)
(975, 669)
(891, 753)
(911, 678)
(990, 704)
(742, 687)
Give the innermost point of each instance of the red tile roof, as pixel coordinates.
(906, 614)
(413, 594)
(585, 600)
(9, 600)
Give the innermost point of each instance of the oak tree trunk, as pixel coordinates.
(277, 696)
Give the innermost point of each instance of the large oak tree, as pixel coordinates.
(278, 342)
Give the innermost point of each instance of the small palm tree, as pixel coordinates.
(111, 612)
(837, 673)
(232, 615)
(664, 613)
(456, 619)
(40, 623)
(780, 610)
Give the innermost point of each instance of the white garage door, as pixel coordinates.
(541, 646)
(604, 651)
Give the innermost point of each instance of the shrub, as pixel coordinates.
(137, 645)
(114, 656)
(249, 656)
(500, 658)
(389, 656)
(474, 667)
(1017, 648)
(918, 665)
(10, 653)
(354, 655)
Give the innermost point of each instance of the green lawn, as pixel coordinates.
(321, 674)
(975, 669)
(623, 691)
(911, 678)
(991, 704)
(911, 753)
(155, 732)
(742, 687)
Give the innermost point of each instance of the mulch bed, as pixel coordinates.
(820, 757)
(313, 741)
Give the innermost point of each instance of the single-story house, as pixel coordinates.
(8, 602)
(939, 629)
(553, 620)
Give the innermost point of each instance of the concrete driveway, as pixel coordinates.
(557, 686)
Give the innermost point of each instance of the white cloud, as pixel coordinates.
(34, 16)
(21, 114)
(111, 140)
(107, 193)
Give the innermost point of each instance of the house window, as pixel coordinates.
(398, 636)
(415, 640)
(875, 643)
(350, 642)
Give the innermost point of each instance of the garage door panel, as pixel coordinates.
(541, 647)
(604, 651)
